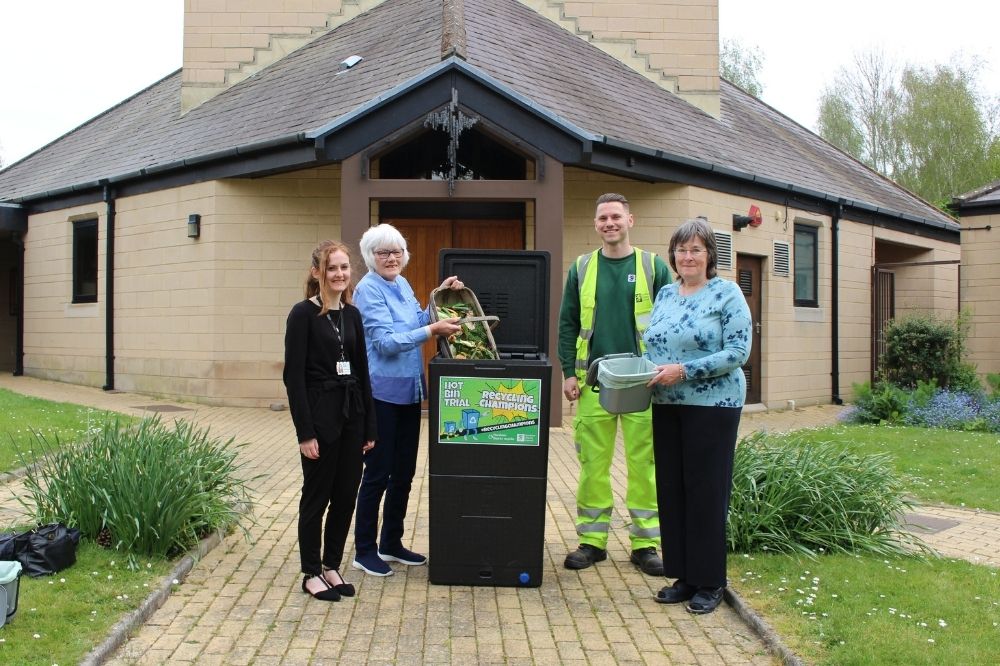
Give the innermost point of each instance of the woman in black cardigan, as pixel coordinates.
(330, 398)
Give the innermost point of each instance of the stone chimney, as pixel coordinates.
(674, 43)
(226, 42)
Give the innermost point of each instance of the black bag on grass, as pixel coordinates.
(47, 549)
(10, 544)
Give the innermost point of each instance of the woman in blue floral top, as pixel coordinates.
(699, 339)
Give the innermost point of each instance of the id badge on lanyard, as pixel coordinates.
(343, 365)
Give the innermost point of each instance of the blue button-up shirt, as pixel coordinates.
(395, 330)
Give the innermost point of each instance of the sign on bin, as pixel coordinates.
(623, 384)
(489, 410)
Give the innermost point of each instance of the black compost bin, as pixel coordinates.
(489, 430)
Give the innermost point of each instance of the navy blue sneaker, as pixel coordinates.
(371, 564)
(403, 556)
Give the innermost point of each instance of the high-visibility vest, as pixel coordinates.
(586, 275)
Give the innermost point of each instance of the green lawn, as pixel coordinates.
(850, 609)
(20, 416)
(845, 609)
(61, 618)
(939, 466)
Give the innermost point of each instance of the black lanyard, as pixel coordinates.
(336, 329)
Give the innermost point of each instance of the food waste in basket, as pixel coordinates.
(622, 381)
(475, 339)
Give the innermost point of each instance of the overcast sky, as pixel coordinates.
(65, 61)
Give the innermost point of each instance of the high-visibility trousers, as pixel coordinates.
(594, 436)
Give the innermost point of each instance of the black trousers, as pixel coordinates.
(329, 483)
(693, 447)
(389, 469)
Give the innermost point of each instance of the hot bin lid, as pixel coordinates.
(511, 284)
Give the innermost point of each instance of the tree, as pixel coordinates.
(741, 66)
(866, 98)
(928, 129)
(945, 138)
(836, 125)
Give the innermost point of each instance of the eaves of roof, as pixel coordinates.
(985, 196)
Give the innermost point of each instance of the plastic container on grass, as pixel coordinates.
(622, 382)
(10, 574)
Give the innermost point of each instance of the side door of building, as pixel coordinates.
(748, 276)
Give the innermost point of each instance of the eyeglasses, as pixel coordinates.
(694, 252)
(385, 254)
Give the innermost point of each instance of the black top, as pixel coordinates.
(312, 349)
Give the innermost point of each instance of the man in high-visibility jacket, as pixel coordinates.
(605, 308)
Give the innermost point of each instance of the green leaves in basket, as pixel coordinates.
(472, 342)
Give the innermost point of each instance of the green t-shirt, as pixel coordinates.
(614, 315)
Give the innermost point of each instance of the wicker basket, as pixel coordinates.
(447, 297)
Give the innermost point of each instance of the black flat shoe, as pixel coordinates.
(676, 593)
(705, 600)
(328, 594)
(345, 589)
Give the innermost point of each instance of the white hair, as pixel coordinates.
(384, 236)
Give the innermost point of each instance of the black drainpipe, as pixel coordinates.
(19, 343)
(109, 281)
(835, 303)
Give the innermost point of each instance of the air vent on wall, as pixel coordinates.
(781, 255)
(724, 246)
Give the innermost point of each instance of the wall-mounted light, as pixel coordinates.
(754, 219)
(194, 225)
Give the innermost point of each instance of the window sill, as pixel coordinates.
(809, 314)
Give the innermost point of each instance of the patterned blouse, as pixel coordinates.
(709, 333)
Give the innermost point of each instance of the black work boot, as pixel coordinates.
(648, 561)
(584, 556)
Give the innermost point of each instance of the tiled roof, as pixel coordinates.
(987, 194)
(526, 53)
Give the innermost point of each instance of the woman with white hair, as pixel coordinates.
(396, 328)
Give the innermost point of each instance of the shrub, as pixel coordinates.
(797, 497)
(923, 347)
(922, 394)
(883, 403)
(156, 490)
(965, 378)
(993, 381)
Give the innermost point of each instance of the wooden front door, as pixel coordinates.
(426, 237)
(748, 276)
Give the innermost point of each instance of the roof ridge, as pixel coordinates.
(453, 29)
(978, 192)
